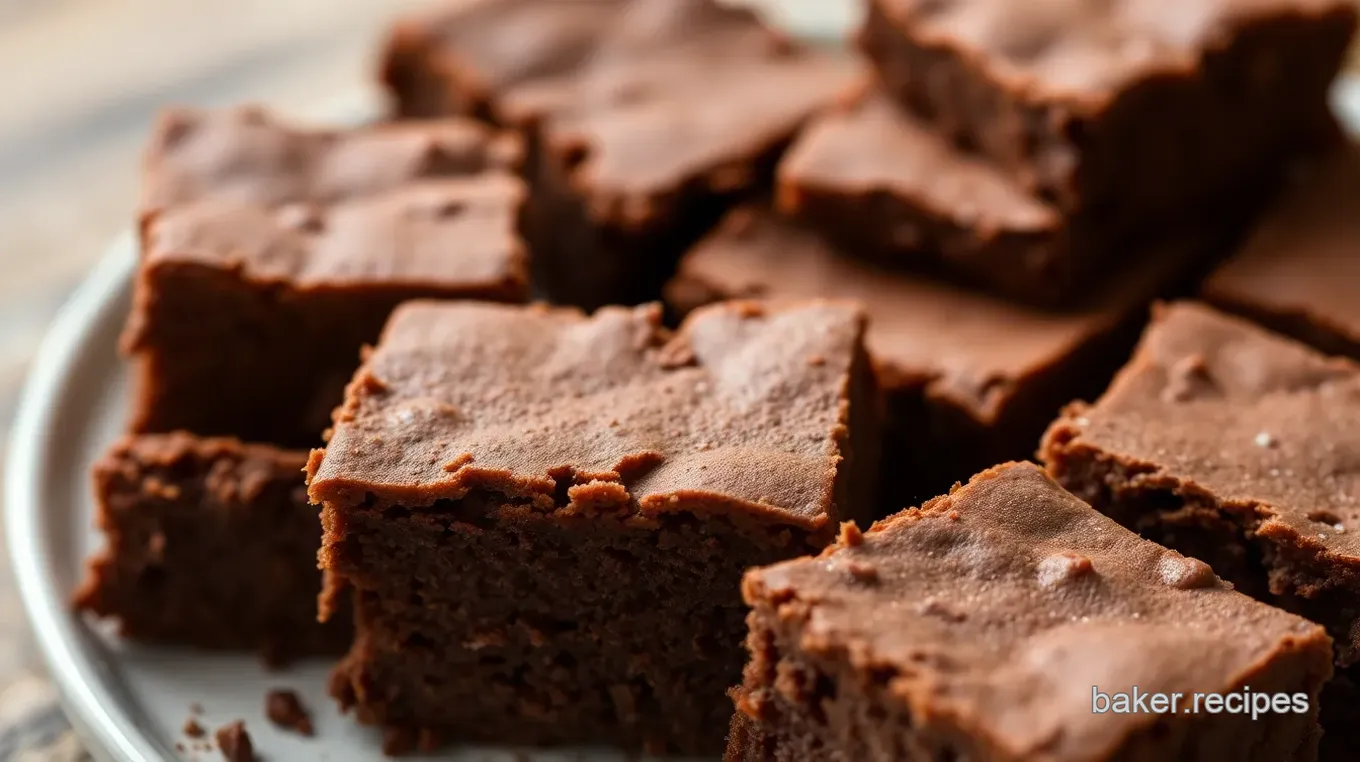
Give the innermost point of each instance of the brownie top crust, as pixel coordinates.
(1001, 605)
(497, 44)
(246, 155)
(1257, 422)
(1303, 259)
(1085, 52)
(744, 409)
(872, 146)
(962, 345)
(458, 233)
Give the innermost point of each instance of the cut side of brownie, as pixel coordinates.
(210, 543)
(640, 137)
(248, 319)
(544, 517)
(989, 624)
(1237, 446)
(1299, 271)
(970, 379)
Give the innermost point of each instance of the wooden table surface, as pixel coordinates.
(82, 81)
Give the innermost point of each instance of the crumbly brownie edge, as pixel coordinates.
(159, 528)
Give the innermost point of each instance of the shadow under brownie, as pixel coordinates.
(970, 379)
(645, 120)
(1240, 447)
(985, 625)
(544, 517)
(210, 543)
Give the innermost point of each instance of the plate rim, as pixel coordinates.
(98, 717)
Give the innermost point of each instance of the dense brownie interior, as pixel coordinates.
(567, 629)
(966, 630)
(210, 543)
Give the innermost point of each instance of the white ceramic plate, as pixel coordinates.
(130, 702)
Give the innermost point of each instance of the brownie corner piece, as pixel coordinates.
(968, 630)
(571, 500)
(210, 543)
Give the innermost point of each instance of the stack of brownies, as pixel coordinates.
(881, 273)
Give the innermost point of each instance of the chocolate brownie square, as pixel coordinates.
(1008, 621)
(544, 517)
(970, 379)
(248, 318)
(1131, 109)
(210, 543)
(878, 181)
(1239, 447)
(249, 156)
(640, 137)
(1299, 272)
(461, 57)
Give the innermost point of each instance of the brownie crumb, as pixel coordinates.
(193, 729)
(850, 535)
(235, 742)
(195, 708)
(284, 709)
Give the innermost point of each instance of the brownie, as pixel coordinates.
(233, 740)
(544, 517)
(1132, 110)
(247, 155)
(1237, 446)
(971, 380)
(645, 120)
(211, 543)
(989, 624)
(248, 319)
(880, 182)
(1298, 273)
(460, 57)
